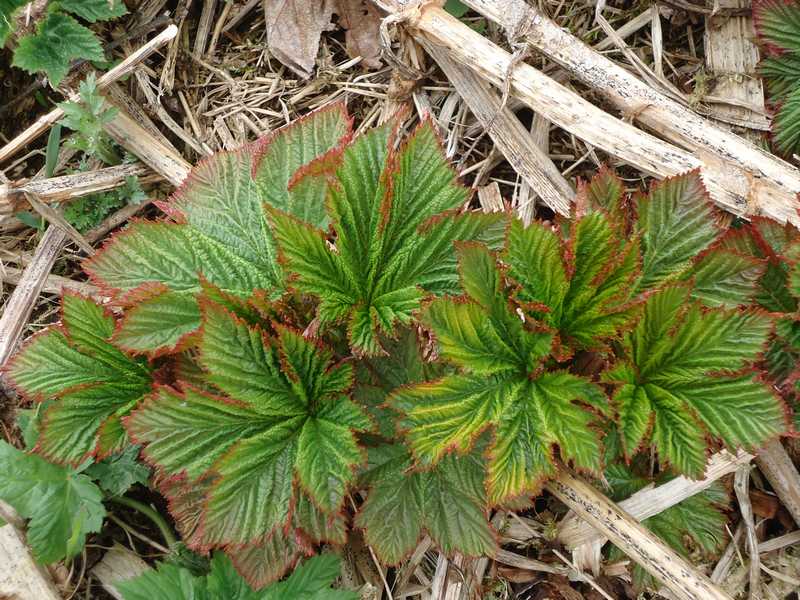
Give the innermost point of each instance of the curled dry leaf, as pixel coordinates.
(294, 28)
(362, 21)
(293, 31)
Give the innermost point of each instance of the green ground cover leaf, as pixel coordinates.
(59, 39)
(63, 505)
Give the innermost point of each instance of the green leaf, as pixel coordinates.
(53, 147)
(394, 240)
(165, 320)
(312, 581)
(456, 8)
(725, 278)
(93, 383)
(221, 235)
(58, 40)
(95, 10)
(781, 74)
(529, 417)
(287, 419)
(589, 304)
(170, 582)
(605, 192)
(777, 23)
(63, 506)
(690, 379)
(448, 502)
(119, 472)
(504, 387)
(676, 222)
(785, 128)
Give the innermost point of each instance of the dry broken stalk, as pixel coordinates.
(765, 183)
(508, 134)
(20, 576)
(570, 111)
(777, 466)
(741, 486)
(649, 502)
(683, 580)
(121, 70)
(69, 187)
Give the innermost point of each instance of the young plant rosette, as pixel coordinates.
(269, 359)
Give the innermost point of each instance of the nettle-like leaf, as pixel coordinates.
(311, 581)
(219, 232)
(777, 24)
(95, 10)
(284, 432)
(687, 374)
(59, 39)
(92, 383)
(504, 386)
(63, 505)
(394, 220)
(447, 501)
(697, 522)
(117, 473)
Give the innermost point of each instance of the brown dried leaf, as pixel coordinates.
(293, 31)
(362, 21)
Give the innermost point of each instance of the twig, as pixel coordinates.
(741, 486)
(649, 502)
(777, 543)
(760, 177)
(721, 569)
(583, 576)
(778, 468)
(510, 136)
(597, 128)
(637, 542)
(53, 217)
(69, 187)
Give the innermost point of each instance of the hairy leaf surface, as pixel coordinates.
(688, 377)
(59, 39)
(448, 502)
(697, 522)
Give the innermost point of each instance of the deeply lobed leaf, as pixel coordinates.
(393, 241)
(287, 419)
(220, 234)
(92, 383)
(448, 502)
(503, 388)
(687, 377)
